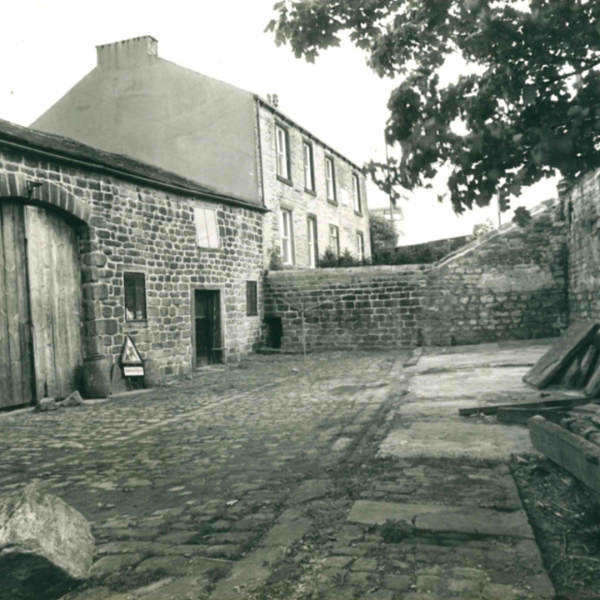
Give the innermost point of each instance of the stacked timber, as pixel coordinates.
(572, 362)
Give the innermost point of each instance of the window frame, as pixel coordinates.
(337, 238)
(287, 178)
(333, 198)
(313, 249)
(214, 210)
(360, 244)
(292, 254)
(137, 275)
(312, 188)
(251, 298)
(357, 194)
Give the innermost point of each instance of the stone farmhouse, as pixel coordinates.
(205, 130)
(96, 246)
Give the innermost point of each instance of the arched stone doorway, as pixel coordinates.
(40, 295)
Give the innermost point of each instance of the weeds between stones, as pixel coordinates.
(394, 532)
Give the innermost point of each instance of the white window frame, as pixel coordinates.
(207, 228)
(335, 229)
(287, 236)
(357, 196)
(312, 242)
(360, 245)
(330, 179)
(282, 152)
(309, 172)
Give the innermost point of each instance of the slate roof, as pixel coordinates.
(124, 165)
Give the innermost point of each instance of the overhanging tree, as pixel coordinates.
(529, 109)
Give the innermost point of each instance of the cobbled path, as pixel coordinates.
(190, 488)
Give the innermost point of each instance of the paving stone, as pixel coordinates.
(365, 564)
(337, 562)
(341, 444)
(224, 550)
(398, 583)
(311, 490)
(286, 533)
(109, 564)
(174, 565)
(177, 537)
(379, 595)
(464, 586)
(498, 591)
(430, 583)
(431, 517)
(184, 588)
(466, 573)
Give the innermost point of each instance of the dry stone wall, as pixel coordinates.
(581, 206)
(508, 285)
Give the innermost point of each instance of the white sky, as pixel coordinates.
(48, 46)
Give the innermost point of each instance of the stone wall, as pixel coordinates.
(507, 285)
(292, 196)
(361, 307)
(144, 229)
(581, 205)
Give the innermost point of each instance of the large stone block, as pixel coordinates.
(46, 546)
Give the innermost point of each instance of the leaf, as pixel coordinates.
(529, 93)
(522, 216)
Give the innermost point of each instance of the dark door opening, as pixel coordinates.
(207, 327)
(274, 332)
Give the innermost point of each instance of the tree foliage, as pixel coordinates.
(529, 108)
(383, 237)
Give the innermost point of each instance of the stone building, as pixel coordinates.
(141, 105)
(97, 246)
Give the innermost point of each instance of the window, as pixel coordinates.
(334, 239)
(309, 178)
(251, 298)
(287, 238)
(207, 230)
(313, 248)
(330, 179)
(360, 245)
(135, 296)
(356, 190)
(283, 155)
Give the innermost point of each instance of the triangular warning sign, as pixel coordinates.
(130, 354)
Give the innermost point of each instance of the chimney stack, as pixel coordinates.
(127, 53)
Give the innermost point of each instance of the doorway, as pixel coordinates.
(206, 330)
(40, 304)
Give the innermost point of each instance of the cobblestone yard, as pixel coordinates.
(264, 480)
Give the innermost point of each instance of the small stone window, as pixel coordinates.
(251, 298)
(309, 171)
(360, 245)
(287, 237)
(356, 193)
(207, 229)
(330, 179)
(334, 239)
(135, 296)
(282, 143)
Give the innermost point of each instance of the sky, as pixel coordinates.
(48, 46)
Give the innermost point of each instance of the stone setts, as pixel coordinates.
(46, 546)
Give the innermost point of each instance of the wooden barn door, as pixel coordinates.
(55, 300)
(16, 367)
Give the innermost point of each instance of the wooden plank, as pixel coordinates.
(39, 286)
(11, 292)
(23, 299)
(59, 274)
(520, 416)
(589, 361)
(592, 389)
(492, 410)
(577, 337)
(5, 377)
(74, 314)
(570, 451)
